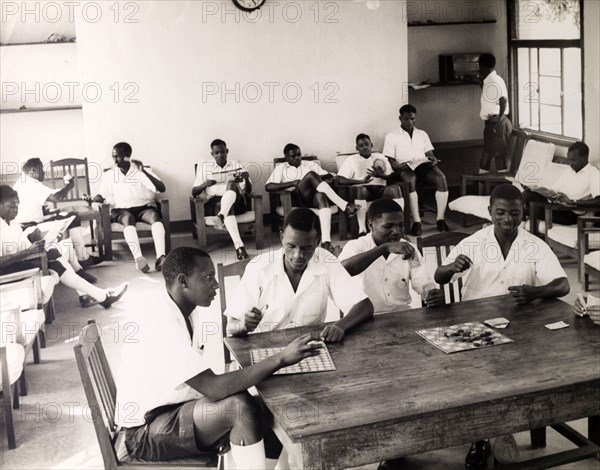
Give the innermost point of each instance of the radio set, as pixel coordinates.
(459, 67)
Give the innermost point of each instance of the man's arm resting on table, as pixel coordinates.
(358, 314)
(589, 202)
(525, 294)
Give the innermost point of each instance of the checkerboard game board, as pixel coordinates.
(463, 337)
(320, 363)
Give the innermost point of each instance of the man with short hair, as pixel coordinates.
(494, 111)
(411, 155)
(223, 182)
(290, 286)
(132, 189)
(579, 184)
(386, 263)
(370, 172)
(167, 394)
(305, 181)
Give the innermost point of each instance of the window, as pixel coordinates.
(546, 66)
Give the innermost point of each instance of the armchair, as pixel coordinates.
(589, 261)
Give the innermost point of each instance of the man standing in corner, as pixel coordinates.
(494, 110)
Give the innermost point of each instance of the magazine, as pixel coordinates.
(52, 230)
(419, 161)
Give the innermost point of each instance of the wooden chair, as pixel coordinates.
(589, 261)
(443, 244)
(12, 357)
(113, 232)
(79, 170)
(225, 271)
(280, 203)
(101, 394)
(252, 218)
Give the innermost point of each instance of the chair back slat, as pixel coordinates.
(225, 271)
(78, 169)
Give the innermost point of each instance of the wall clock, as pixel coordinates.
(249, 5)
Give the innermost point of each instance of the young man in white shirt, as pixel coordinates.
(15, 246)
(223, 182)
(370, 171)
(411, 155)
(494, 110)
(502, 259)
(305, 181)
(131, 188)
(289, 287)
(579, 184)
(170, 403)
(387, 264)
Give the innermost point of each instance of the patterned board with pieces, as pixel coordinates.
(463, 337)
(320, 363)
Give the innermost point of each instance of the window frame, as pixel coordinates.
(513, 72)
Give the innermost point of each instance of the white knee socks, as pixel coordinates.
(72, 280)
(250, 457)
(131, 237)
(158, 235)
(332, 196)
(325, 219)
(441, 199)
(234, 232)
(227, 202)
(76, 236)
(361, 215)
(413, 199)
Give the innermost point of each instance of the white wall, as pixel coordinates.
(591, 44)
(177, 48)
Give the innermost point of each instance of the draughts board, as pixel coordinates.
(463, 337)
(320, 363)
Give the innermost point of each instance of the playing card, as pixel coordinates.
(557, 325)
(499, 322)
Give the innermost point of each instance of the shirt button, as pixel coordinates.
(386, 279)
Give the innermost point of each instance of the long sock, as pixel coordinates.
(234, 232)
(441, 199)
(158, 235)
(325, 219)
(361, 215)
(413, 199)
(72, 280)
(131, 237)
(400, 202)
(250, 457)
(332, 196)
(76, 236)
(283, 463)
(227, 202)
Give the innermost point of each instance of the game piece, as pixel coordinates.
(320, 363)
(463, 337)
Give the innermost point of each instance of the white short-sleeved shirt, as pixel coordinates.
(355, 167)
(577, 185)
(157, 359)
(386, 281)
(284, 172)
(32, 197)
(209, 170)
(493, 89)
(132, 189)
(404, 148)
(530, 261)
(12, 238)
(266, 283)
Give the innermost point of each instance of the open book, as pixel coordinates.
(419, 161)
(52, 230)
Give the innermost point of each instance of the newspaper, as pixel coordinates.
(415, 163)
(52, 230)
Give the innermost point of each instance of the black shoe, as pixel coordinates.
(91, 262)
(159, 263)
(416, 229)
(478, 455)
(442, 226)
(114, 295)
(394, 464)
(87, 276)
(241, 253)
(86, 301)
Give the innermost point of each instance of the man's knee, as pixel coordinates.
(321, 200)
(76, 221)
(233, 186)
(392, 192)
(312, 177)
(127, 219)
(361, 192)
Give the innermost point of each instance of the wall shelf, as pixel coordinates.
(450, 23)
(443, 84)
(36, 43)
(36, 110)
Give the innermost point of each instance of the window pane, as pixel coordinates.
(550, 119)
(547, 19)
(572, 93)
(550, 62)
(523, 90)
(550, 90)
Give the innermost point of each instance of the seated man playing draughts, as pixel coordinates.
(500, 259)
(290, 286)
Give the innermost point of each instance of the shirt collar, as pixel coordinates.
(315, 266)
(490, 76)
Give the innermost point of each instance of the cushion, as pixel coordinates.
(593, 259)
(536, 156)
(31, 322)
(541, 226)
(474, 205)
(553, 173)
(245, 218)
(334, 210)
(15, 356)
(564, 234)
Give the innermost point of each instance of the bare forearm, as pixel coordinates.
(158, 184)
(347, 181)
(589, 202)
(503, 102)
(443, 274)
(360, 313)
(557, 288)
(358, 263)
(59, 195)
(280, 186)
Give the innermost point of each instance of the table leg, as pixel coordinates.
(538, 437)
(594, 429)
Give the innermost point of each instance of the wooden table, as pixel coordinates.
(394, 394)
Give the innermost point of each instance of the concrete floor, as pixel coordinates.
(53, 426)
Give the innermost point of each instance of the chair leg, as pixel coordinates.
(538, 437)
(42, 338)
(8, 416)
(594, 429)
(15, 397)
(586, 282)
(36, 349)
(23, 388)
